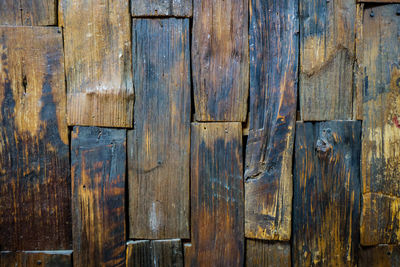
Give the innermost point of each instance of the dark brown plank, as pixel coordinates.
(161, 8)
(138, 253)
(28, 12)
(55, 258)
(327, 41)
(273, 98)
(326, 194)
(34, 155)
(379, 59)
(158, 147)
(379, 256)
(98, 62)
(220, 59)
(217, 220)
(261, 253)
(98, 158)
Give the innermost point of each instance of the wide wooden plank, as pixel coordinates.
(34, 155)
(379, 57)
(28, 12)
(261, 253)
(273, 98)
(98, 62)
(379, 256)
(217, 210)
(327, 42)
(161, 8)
(98, 157)
(326, 193)
(55, 258)
(220, 59)
(158, 147)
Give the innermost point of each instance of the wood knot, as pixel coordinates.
(324, 143)
(323, 146)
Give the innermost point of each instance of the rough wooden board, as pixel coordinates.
(98, 158)
(55, 258)
(138, 253)
(358, 70)
(267, 254)
(157, 8)
(273, 98)
(34, 155)
(326, 190)
(217, 219)
(379, 256)
(98, 62)
(220, 59)
(378, 1)
(158, 147)
(28, 12)
(327, 42)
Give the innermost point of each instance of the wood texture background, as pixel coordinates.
(265, 253)
(56, 258)
(161, 8)
(28, 12)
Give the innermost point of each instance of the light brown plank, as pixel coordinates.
(261, 253)
(28, 12)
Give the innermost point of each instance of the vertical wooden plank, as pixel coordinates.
(327, 42)
(261, 253)
(273, 98)
(217, 220)
(98, 158)
(158, 147)
(146, 8)
(56, 258)
(138, 253)
(220, 63)
(380, 256)
(98, 62)
(326, 193)
(28, 12)
(380, 60)
(34, 156)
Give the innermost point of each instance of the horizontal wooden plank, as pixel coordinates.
(161, 8)
(55, 258)
(28, 12)
(98, 158)
(380, 256)
(261, 253)
(34, 155)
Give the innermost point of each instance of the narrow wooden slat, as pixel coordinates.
(220, 63)
(326, 194)
(138, 253)
(327, 42)
(28, 12)
(265, 253)
(34, 155)
(56, 258)
(273, 98)
(98, 62)
(379, 256)
(379, 58)
(158, 147)
(217, 209)
(157, 8)
(98, 157)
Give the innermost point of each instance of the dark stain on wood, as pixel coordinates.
(380, 256)
(56, 258)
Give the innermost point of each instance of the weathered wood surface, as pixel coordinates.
(327, 42)
(379, 256)
(28, 12)
(98, 158)
(326, 193)
(379, 1)
(217, 219)
(220, 59)
(34, 155)
(98, 62)
(158, 147)
(273, 98)
(379, 57)
(154, 253)
(261, 253)
(161, 8)
(55, 258)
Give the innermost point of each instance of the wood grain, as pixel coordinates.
(220, 59)
(161, 8)
(273, 98)
(380, 60)
(379, 1)
(98, 62)
(217, 210)
(326, 194)
(158, 147)
(261, 253)
(379, 256)
(138, 253)
(34, 156)
(55, 258)
(98, 158)
(28, 12)
(327, 41)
